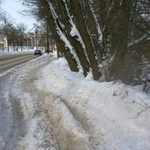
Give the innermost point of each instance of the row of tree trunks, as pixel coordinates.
(76, 44)
(71, 13)
(60, 44)
(75, 8)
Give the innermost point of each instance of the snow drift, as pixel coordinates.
(111, 115)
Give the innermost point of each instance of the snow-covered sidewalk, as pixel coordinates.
(50, 107)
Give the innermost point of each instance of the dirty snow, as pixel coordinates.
(51, 108)
(116, 115)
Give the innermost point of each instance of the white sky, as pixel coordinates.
(14, 8)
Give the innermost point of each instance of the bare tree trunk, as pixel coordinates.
(47, 37)
(21, 47)
(119, 27)
(8, 47)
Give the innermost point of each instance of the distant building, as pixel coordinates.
(3, 41)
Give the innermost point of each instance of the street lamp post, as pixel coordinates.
(36, 38)
(36, 35)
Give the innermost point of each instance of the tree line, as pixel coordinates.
(16, 34)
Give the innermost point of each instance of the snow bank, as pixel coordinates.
(114, 115)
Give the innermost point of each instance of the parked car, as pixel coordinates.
(37, 52)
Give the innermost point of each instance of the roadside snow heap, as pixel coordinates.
(109, 115)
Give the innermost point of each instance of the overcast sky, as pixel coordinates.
(14, 8)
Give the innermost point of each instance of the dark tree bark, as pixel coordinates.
(119, 27)
(47, 37)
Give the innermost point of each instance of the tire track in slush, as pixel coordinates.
(51, 107)
(14, 126)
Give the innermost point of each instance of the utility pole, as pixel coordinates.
(36, 35)
(36, 38)
(6, 33)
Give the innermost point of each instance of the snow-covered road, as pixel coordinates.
(44, 106)
(20, 116)
(7, 62)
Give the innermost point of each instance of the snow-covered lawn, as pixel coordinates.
(61, 109)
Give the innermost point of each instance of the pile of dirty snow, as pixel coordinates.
(113, 115)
